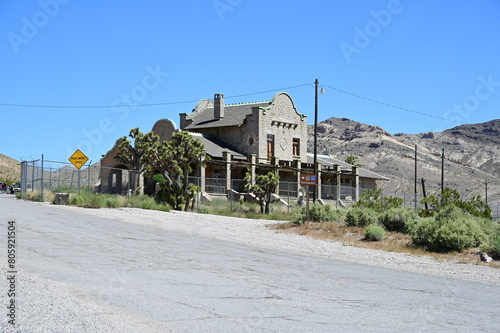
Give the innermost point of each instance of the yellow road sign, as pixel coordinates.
(78, 159)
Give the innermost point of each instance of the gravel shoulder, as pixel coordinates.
(255, 233)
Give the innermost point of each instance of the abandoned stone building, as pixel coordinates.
(255, 137)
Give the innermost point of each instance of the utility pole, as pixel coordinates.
(315, 138)
(415, 178)
(442, 176)
(425, 195)
(486, 188)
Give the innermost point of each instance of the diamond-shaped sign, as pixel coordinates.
(78, 159)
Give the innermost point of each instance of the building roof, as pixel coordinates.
(215, 148)
(234, 115)
(330, 161)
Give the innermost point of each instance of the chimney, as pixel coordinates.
(218, 106)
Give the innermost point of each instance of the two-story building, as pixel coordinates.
(255, 137)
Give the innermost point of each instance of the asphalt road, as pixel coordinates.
(178, 282)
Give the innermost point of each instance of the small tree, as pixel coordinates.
(475, 206)
(131, 153)
(264, 187)
(353, 160)
(374, 199)
(173, 160)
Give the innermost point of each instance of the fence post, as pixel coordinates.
(42, 179)
(33, 176)
(230, 193)
(23, 178)
(288, 194)
(88, 177)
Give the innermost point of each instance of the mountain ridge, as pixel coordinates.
(472, 154)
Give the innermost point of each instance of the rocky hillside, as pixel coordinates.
(10, 169)
(472, 155)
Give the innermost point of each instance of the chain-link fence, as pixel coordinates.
(44, 175)
(39, 175)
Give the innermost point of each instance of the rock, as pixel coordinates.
(484, 257)
(62, 198)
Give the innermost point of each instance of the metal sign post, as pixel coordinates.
(78, 159)
(308, 180)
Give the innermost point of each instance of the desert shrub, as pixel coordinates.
(451, 198)
(450, 230)
(203, 210)
(395, 219)
(374, 232)
(147, 202)
(33, 196)
(361, 217)
(112, 201)
(374, 200)
(92, 200)
(422, 230)
(495, 242)
(458, 235)
(76, 200)
(65, 189)
(319, 213)
(88, 199)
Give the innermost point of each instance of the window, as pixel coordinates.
(296, 147)
(270, 146)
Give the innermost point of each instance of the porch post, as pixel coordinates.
(141, 182)
(297, 164)
(275, 161)
(318, 186)
(252, 159)
(337, 175)
(355, 171)
(202, 178)
(227, 158)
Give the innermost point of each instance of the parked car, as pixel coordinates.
(15, 188)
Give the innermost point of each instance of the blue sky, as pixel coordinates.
(438, 58)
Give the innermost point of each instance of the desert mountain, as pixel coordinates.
(472, 155)
(10, 169)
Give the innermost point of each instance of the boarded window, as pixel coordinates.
(296, 147)
(270, 146)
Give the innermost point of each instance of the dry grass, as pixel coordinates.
(393, 241)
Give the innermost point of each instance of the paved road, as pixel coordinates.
(176, 282)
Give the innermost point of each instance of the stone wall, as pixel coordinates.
(282, 120)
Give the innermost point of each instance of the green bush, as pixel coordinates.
(451, 198)
(203, 210)
(319, 213)
(373, 199)
(458, 235)
(77, 200)
(361, 217)
(495, 242)
(33, 196)
(374, 232)
(450, 230)
(422, 230)
(112, 201)
(395, 219)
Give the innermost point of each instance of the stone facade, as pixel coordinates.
(264, 129)
(255, 137)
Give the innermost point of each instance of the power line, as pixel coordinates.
(227, 97)
(140, 105)
(390, 105)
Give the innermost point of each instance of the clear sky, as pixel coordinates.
(439, 59)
